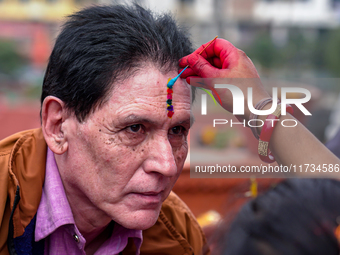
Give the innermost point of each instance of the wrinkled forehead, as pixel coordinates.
(149, 83)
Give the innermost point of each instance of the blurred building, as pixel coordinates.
(232, 18)
(38, 10)
(31, 27)
(33, 24)
(313, 13)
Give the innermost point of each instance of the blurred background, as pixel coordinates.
(291, 42)
(288, 40)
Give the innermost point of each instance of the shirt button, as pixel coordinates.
(76, 238)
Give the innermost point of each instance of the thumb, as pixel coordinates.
(201, 66)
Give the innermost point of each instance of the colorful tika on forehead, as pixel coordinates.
(171, 82)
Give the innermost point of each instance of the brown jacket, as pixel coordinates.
(22, 173)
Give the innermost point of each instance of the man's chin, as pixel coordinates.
(141, 220)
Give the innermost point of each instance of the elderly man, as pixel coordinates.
(101, 168)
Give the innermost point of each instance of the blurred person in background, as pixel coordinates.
(297, 217)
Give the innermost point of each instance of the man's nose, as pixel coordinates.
(160, 158)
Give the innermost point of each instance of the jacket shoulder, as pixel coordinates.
(10, 147)
(7, 144)
(176, 214)
(22, 168)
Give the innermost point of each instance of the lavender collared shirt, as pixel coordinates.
(55, 222)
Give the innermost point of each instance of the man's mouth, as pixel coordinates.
(151, 193)
(149, 197)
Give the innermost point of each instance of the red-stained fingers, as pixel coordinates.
(199, 67)
(220, 49)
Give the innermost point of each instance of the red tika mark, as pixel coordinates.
(170, 114)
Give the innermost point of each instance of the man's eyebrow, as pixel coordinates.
(190, 121)
(139, 119)
(135, 118)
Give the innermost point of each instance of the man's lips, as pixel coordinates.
(148, 194)
(151, 193)
(149, 197)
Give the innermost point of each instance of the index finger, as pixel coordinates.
(220, 48)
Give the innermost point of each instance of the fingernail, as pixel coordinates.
(182, 62)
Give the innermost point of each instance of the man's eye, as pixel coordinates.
(135, 128)
(178, 130)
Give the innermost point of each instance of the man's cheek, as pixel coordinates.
(117, 156)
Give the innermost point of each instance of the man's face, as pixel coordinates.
(126, 157)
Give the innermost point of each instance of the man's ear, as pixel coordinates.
(53, 115)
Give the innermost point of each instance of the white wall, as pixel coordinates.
(317, 13)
